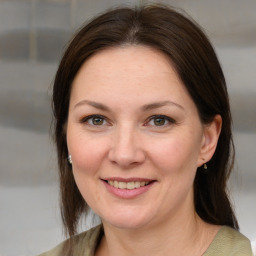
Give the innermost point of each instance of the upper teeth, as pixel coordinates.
(127, 185)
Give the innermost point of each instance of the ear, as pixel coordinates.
(210, 140)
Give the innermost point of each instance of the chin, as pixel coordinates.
(127, 225)
(131, 221)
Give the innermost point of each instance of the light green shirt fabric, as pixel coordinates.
(227, 242)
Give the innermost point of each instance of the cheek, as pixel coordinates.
(87, 158)
(176, 161)
(87, 153)
(176, 154)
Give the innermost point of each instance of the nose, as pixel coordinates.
(126, 148)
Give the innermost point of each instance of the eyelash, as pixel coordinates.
(87, 118)
(104, 119)
(165, 118)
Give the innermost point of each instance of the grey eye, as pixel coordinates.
(94, 120)
(159, 121)
(97, 120)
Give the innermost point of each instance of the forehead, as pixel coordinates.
(127, 62)
(133, 58)
(129, 71)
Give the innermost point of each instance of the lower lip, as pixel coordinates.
(128, 193)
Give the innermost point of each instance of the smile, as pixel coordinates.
(127, 185)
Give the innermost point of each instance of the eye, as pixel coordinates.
(160, 120)
(94, 120)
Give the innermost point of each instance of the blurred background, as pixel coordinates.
(33, 34)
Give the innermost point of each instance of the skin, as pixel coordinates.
(128, 141)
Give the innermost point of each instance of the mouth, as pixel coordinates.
(128, 188)
(128, 185)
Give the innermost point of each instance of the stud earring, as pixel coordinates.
(69, 159)
(205, 166)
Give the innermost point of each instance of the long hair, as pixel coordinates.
(195, 61)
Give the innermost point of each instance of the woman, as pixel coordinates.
(143, 134)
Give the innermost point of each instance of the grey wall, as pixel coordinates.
(33, 34)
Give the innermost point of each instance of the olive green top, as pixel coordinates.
(227, 242)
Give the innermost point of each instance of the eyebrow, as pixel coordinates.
(144, 108)
(160, 104)
(93, 104)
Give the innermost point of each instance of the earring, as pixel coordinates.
(205, 166)
(69, 159)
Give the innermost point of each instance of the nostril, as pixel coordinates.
(126, 156)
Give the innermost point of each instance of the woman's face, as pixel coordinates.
(135, 137)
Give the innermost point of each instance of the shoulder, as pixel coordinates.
(229, 241)
(84, 244)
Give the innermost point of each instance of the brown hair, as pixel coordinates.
(195, 61)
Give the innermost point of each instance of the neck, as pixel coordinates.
(182, 236)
